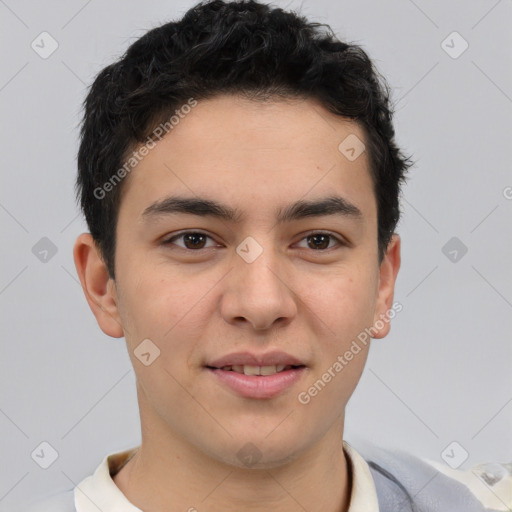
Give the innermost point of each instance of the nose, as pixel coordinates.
(258, 293)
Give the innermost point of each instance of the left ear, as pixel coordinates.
(387, 277)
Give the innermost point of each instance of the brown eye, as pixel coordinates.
(321, 241)
(192, 240)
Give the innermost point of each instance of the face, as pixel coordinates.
(262, 284)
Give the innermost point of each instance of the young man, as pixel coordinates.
(240, 180)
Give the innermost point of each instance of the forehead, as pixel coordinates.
(263, 153)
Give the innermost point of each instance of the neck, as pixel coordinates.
(168, 473)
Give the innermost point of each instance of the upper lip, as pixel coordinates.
(247, 358)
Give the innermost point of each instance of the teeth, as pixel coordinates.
(251, 370)
(257, 370)
(268, 370)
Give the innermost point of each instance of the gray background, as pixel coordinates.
(442, 375)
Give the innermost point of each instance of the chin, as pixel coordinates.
(251, 453)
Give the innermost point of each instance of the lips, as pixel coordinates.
(257, 375)
(261, 360)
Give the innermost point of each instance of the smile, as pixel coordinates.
(257, 370)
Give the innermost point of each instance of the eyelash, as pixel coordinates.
(169, 241)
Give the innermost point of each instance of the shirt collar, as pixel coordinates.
(363, 496)
(99, 491)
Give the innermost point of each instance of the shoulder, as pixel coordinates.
(403, 479)
(63, 501)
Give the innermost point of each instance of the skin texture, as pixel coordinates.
(198, 305)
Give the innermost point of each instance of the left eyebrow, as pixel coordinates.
(332, 205)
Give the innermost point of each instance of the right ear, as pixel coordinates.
(98, 287)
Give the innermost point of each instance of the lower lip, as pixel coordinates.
(258, 386)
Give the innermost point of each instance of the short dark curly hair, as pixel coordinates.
(244, 48)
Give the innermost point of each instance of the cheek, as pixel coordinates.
(345, 302)
(153, 304)
(171, 310)
(156, 292)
